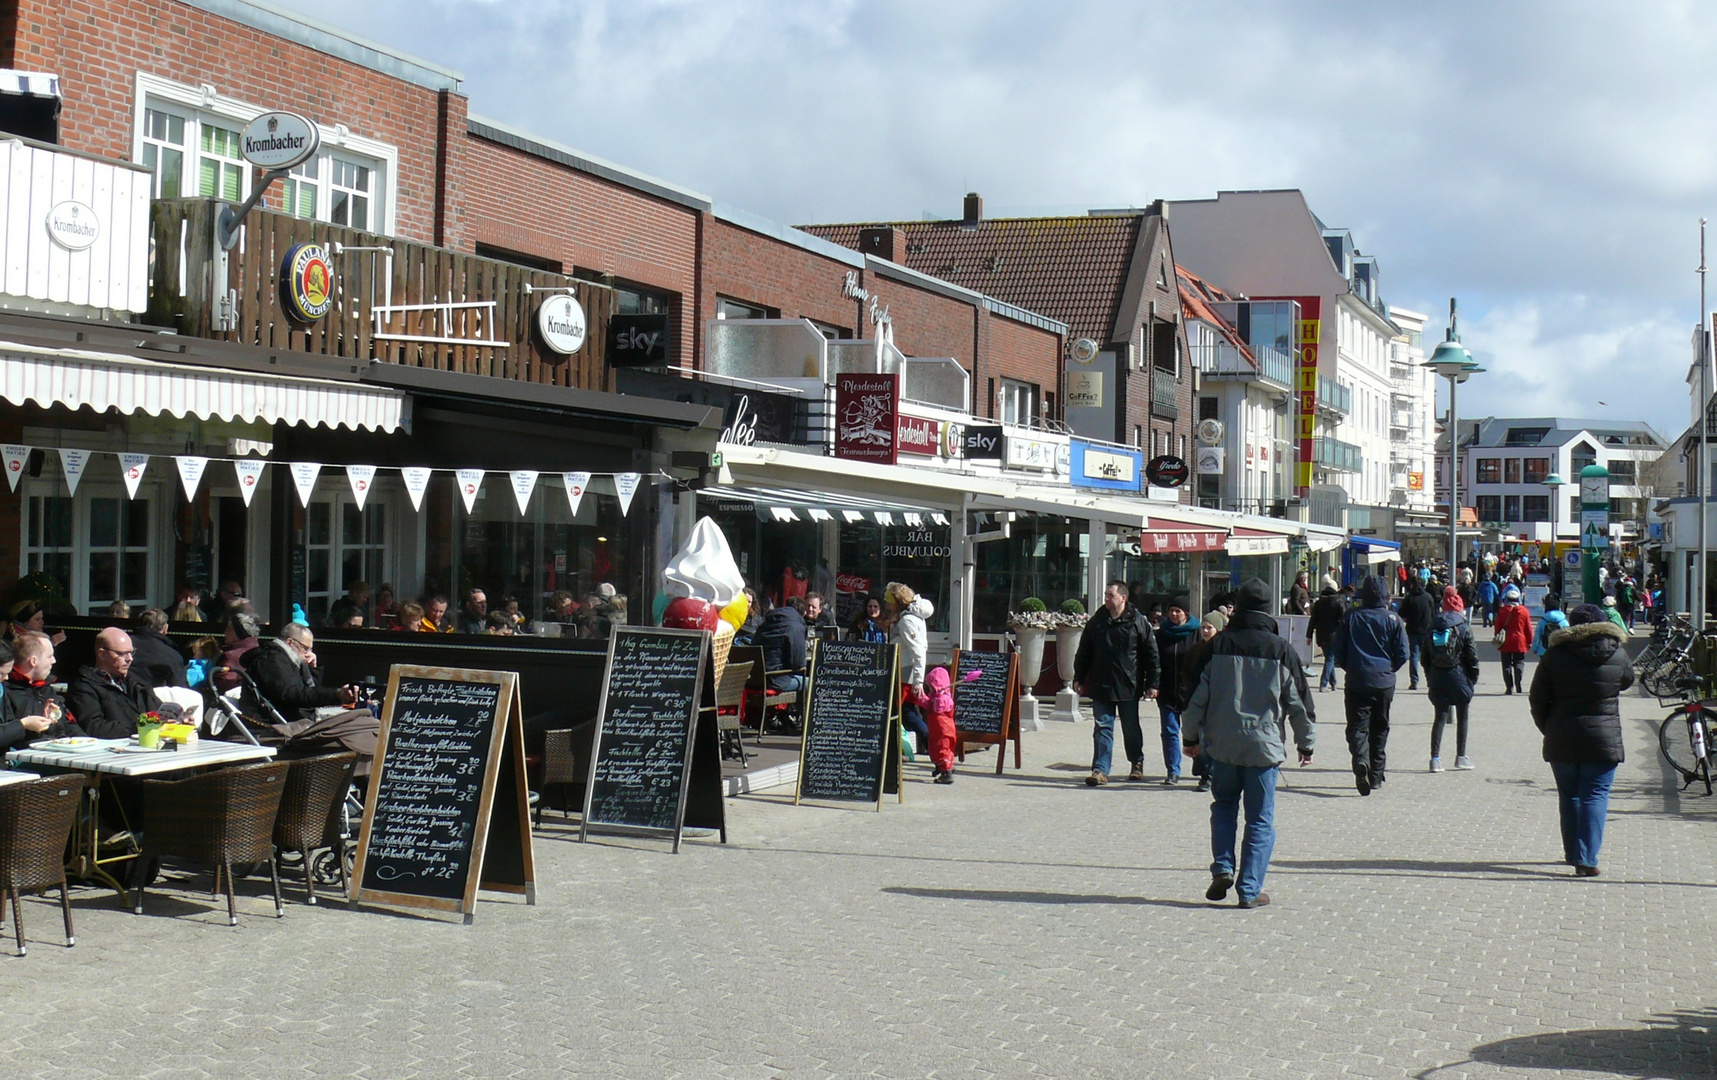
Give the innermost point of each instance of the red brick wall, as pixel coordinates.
(98, 46)
(1021, 351)
(928, 323)
(744, 265)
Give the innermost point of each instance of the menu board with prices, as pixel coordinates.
(850, 751)
(986, 708)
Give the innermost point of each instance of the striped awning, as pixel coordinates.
(100, 381)
(783, 504)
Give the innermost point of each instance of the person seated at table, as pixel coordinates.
(870, 624)
(21, 714)
(408, 618)
(107, 696)
(241, 632)
(435, 616)
(782, 637)
(563, 608)
(158, 660)
(27, 616)
(818, 617)
(497, 622)
(314, 716)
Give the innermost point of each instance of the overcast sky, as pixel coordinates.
(1545, 162)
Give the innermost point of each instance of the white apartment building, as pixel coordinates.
(1412, 415)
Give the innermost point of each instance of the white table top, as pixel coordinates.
(106, 760)
(8, 777)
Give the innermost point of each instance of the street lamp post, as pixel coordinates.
(1555, 482)
(1452, 361)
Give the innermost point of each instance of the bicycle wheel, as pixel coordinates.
(1659, 681)
(1675, 743)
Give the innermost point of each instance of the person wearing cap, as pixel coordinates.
(1611, 613)
(1574, 702)
(1191, 668)
(1175, 639)
(1115, 666)
(1251, 686)
(1513, 628)
(1370, 647)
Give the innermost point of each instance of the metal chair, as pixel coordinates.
(566, 763)
(309, 817)
(222, 817)
(729, 703)
(36, 818)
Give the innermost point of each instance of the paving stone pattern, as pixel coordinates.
(1001, 927)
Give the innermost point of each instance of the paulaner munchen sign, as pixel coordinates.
(279, 140)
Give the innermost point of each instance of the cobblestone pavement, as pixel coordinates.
(1003, 927)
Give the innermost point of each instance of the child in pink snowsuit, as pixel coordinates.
(938, 705)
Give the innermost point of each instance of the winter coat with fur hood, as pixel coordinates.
(1574, 692)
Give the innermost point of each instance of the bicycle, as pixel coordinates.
(1660, 636)
(1684, 738)
(1661, 675)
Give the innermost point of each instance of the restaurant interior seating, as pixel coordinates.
(310, 817)
(220, 818)
(36, 818)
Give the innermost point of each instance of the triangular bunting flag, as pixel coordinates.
(249, 476)
(524, 482)
(576, 485)
(470, 482)
(304, 475)
(15, 456)
(73, 462)
(132, 465)
(191, 473)
(416, 480)
(360, 477)
(625, 485)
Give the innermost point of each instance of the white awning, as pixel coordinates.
(78, 379)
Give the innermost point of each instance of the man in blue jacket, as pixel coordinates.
(1370, 646)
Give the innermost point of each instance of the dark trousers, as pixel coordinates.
(1440, 720)
(1368, 730)
(912, 719)
(1514, 671)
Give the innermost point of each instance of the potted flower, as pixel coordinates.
(149, 729)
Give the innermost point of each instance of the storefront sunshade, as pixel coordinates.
(1256, 542)
(102, 381)
(1375, 551)
(1163, 536)
(781, 504)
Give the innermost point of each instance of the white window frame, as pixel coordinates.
(158, 493)
(338, 141)
(337, 496)
(1018, 392)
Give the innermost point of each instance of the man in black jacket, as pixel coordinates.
(782, 636)
(1370, 646)
(1116, 665)
(158, 660)
(1417, 611)
(31, 709)
(1175, 639)
(1325, 618)
(107, 697)
(316, 716)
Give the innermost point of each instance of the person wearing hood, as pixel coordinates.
(1451, 670)
(1175, 639)
(1612, 614)
(1552, 621)
(1370, 647)
(1115, 666)
(1513, 628)
(1325, 618)
(1418, 609)
(909, 616)
(1252, 687)
(1487, 594)
(1574, 703)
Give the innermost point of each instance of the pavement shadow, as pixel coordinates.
(1679, 1045)
(1477, 870)
(1011, 896)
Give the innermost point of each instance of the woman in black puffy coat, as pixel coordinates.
(1574, 703)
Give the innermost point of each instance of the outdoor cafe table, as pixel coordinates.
(7, 777)
(107, 759)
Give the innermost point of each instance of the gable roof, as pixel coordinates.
(1196, 297)
(1072, 269)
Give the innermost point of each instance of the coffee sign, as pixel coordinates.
(560, 321)
(279, 140)
(72, 225)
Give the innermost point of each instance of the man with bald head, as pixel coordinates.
(106, 697)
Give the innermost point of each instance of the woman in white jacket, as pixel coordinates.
(908, 612)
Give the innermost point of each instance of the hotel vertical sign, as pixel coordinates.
(1311, 310)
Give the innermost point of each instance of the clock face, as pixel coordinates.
(1595, 489)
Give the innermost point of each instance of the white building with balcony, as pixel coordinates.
(1412, 415)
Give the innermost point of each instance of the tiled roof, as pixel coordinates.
(1068, 268)
(1196, 296)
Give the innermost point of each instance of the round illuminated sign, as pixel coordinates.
(72, 225)
(1167, 471)
(560, 321)
(279, 140)
(306, 282)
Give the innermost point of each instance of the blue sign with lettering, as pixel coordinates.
(1115, 468)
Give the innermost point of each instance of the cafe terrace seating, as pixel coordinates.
(309, 816)
(220, 818)
(36, 819)
(729, 703)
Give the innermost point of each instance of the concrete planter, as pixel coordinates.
(1067, 707)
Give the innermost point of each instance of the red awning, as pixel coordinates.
(1164, 536)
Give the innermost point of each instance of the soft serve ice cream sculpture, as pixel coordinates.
(704, 587)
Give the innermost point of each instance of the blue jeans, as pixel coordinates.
(1412, 661)
(1103, 733)
(1584, 793)
(1328, 676)
(1229, 784)
(1171, 738)
(912, 719)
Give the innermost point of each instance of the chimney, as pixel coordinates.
(974, 210)
(885, 242)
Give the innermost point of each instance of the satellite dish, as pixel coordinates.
(1084, 350)
(1210, 431)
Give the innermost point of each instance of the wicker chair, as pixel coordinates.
(36, 818)
(222, 817)
(566, 763)
(729, 703)
(309, 815)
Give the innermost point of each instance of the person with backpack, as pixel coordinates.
(1513, 628)
(1451, 671)
(1370, 646)
(1325, 618)
(1552, 621)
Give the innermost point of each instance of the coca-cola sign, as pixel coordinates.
(867, 414)
(851, 583)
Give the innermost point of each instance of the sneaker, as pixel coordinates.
(1138, 771)
(1204, 783)
(936, 775)
(1377, 779)
(1436, 764)
(1096, 779)
(1362, 782)
(1261, 900)
(1171, 779)
(1585, 871)
(945, 777)
(1219, 886)
(1463, 762)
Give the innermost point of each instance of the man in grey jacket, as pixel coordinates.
(1252, 685)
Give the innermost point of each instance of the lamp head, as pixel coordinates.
(1554, 480)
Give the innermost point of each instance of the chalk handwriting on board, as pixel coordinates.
(981, 705)
(639, 771)
(850, 699)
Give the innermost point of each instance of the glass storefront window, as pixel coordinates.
(1043, 557)
(914, 555)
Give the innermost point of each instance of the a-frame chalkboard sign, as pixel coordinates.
(850, 750)
(655, 769)
(986, 710)
(447, 812)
